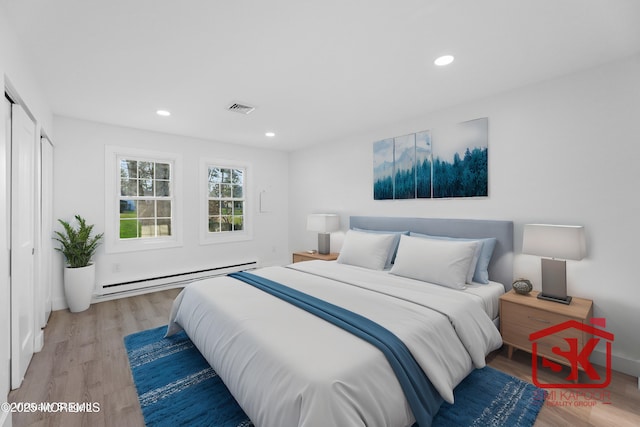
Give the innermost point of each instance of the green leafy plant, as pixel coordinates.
(77, 244)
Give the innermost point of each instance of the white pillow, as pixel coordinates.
(443, 262)
(488, 244)
(367, 250)
(476, 256)
(392, 253)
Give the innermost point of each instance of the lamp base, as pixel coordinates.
(566, 300)
(554, 281)
(324, 242)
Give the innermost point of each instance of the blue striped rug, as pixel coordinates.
(176, 386)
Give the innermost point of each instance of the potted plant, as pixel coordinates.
(78, 246)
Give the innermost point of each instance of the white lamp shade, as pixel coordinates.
(554, 241)
(323, 223)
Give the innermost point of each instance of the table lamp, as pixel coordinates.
(324, 224)
(556, 243)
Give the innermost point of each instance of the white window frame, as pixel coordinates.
(112, 240)
(207, 237)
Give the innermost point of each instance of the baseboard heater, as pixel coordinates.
(173, 280)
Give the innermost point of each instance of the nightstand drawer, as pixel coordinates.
(520, 321)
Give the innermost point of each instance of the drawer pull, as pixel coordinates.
(537, 319)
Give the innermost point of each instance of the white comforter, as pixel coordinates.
(286, 367)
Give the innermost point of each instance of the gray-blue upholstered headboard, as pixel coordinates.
(501, 265)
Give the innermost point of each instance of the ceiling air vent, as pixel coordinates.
(240, 108)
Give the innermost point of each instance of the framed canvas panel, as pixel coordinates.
(404, 167)
(460, 160)
(383, 169)
(423, 164)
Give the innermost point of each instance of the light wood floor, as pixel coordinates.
(84, 360)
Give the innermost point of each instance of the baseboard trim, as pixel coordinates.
(58, 304)
(618, 363)
(38, 341)
(61, 303)
(5, 417)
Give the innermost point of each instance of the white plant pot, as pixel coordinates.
(78, 287)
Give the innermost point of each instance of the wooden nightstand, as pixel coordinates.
(306, 256)
(521, 315)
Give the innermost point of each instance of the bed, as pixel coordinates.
(287, 367)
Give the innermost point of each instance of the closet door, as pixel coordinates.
(22, 243)
(46, 232)
(5, 246)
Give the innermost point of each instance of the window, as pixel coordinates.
(225, 199)
(225, 214)
(145, 198)
(141, 200)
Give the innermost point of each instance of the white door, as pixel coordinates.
(46, 218)
(22, 243)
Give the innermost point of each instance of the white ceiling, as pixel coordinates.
(316, 70)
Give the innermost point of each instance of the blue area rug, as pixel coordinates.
(176, 386)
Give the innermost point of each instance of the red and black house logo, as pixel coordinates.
(572, 333)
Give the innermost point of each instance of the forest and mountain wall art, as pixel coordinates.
(451, 162)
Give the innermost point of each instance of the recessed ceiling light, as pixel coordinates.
(163, 113)
(443, 60)
(270, 134)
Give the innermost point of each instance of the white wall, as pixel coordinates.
(79, 183)
(18, 69)
(16, 72)
(564, 151)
